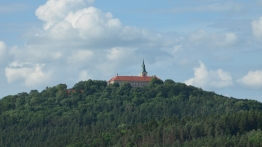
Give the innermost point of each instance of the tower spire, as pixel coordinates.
(143, 72)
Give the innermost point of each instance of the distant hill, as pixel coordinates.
(161, 114)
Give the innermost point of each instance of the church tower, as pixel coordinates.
(135, 81)
(143, 72)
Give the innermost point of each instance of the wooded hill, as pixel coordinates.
(96, 115)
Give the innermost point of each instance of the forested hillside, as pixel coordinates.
(161, 114)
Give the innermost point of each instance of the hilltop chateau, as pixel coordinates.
(135, 81)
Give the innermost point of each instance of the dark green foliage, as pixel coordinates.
(169, 81)
(94, 114)
(217, 130)
(154, 82)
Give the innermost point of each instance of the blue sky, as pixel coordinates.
(212, 44)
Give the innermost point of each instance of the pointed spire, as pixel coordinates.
(143, 66)
(143, 72)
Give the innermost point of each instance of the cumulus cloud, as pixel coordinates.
(94, 23)
(257, 27)
(78, 36)
(28, 73)
(74, 23)
(54, 10)
(210, 79)
(75, 37)
(61, 16)
(252, 80)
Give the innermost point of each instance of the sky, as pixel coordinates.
(212, 44)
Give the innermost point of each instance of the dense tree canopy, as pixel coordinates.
(161, 114)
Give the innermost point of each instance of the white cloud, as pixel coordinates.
(64, 17)
(230, 38)
(210, 79)
(118, 53)
(76, 37)
(29, 74)
(80, 57)
(74, 23)
(257, 27)
(115, 58)
(226, 39)
(253, 79)
(198, 35)
(94, 23)
(176, 49)
(55, 10)
(2, 51)
(40, 53)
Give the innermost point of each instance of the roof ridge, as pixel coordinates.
(131, 78)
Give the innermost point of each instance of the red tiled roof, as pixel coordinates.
(131, 78)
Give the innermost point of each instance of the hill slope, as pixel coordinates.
(162, 114)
